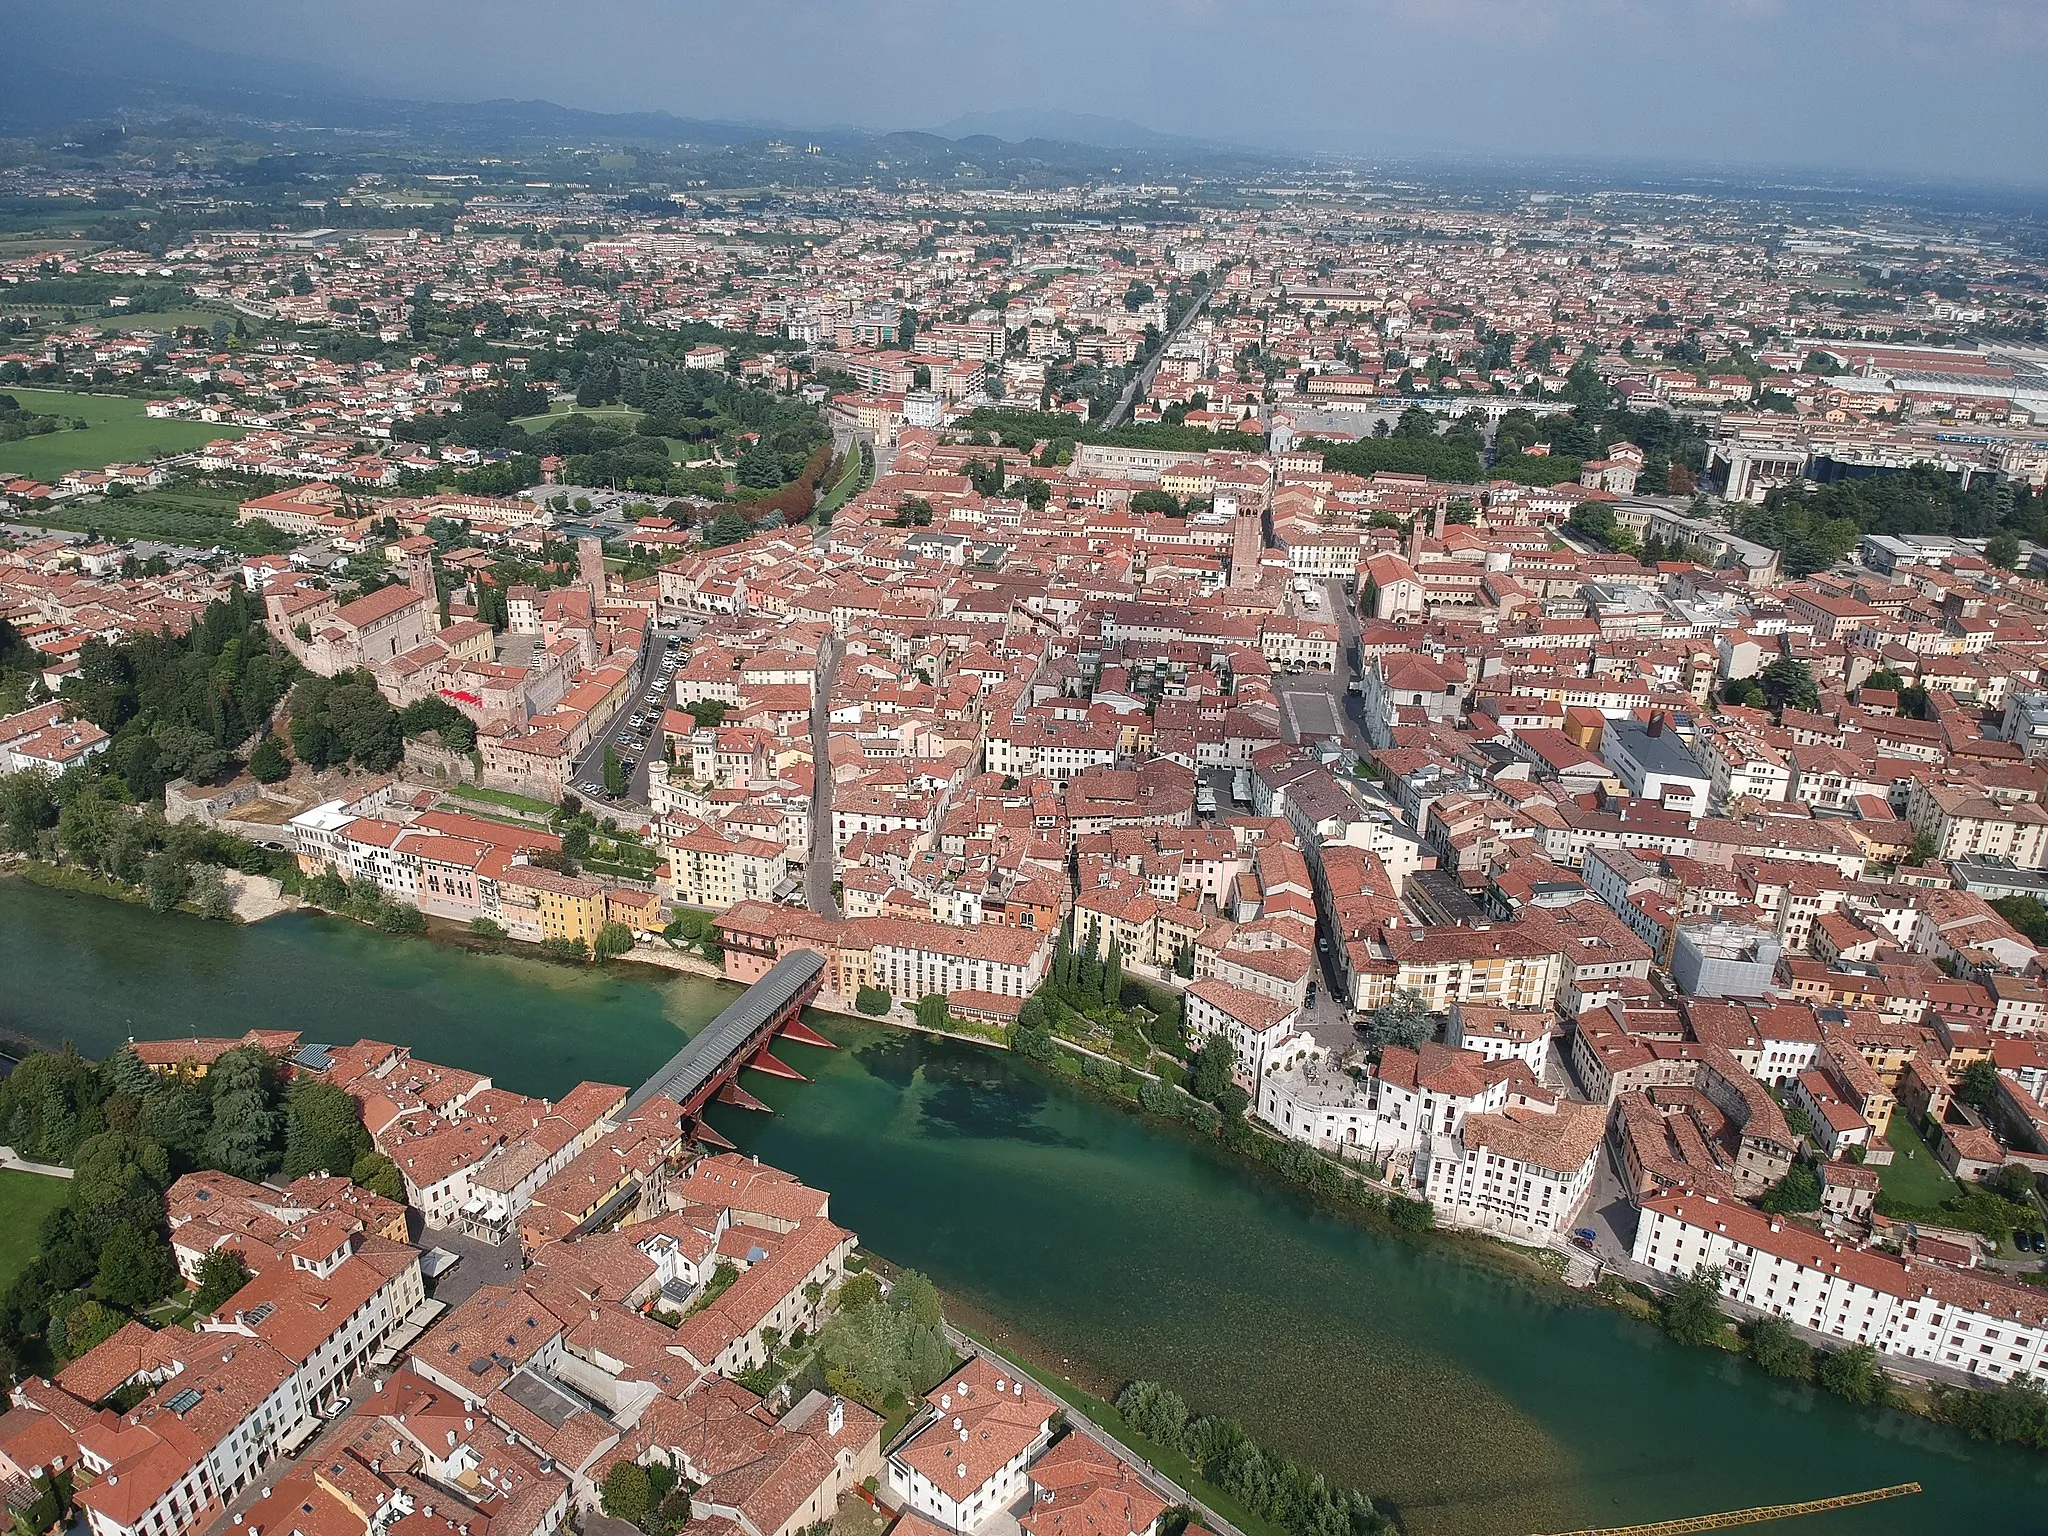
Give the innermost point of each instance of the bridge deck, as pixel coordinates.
(725, 1037)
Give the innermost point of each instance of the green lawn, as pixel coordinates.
(502, 797)
(119, 434)
(848, 483)
(1914, 1174)
(27, 1198)
(557, 412)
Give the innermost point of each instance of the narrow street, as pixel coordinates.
(820, 868)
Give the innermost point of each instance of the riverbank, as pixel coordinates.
(1467, 1401)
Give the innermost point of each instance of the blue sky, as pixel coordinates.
(1943, 88)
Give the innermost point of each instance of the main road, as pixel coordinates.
(1142, 379)
(819, 860)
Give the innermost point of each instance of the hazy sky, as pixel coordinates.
(1952, 88)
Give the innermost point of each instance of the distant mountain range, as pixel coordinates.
(1024, 123)
(60, 81)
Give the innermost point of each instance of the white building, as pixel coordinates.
(1654, 764)
(1968, 1320)
(967, 1461)
(1261, 1030)
(1523, 1172)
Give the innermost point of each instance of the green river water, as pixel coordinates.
(1467, 1401)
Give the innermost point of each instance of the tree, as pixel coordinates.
(210, 895)
(1773, 1346)
(1403, 1020)
(1799, 1190)
(1410, 1215)
(457, 732)
(323, 1130)
(1788, 684)
(90, 1325)
(165, 880)
(708, 713)
(614, 772)
(243, 1139)
(268, 764)
(221, 1274)
(1691, 1314)
(628, 1495)
(872, 1001)
(1213, 1069)
(136, 1268)
(612, 939)
(1854, 1375)
(1978, 1086)
(2026, 914)
(378, 1174)
(931, 1011)
(726, 528)
(2003, 551)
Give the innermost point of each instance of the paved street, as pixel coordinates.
(819, 864)
(1142, 379)
(650, 697)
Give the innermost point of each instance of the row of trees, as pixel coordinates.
(81, 819)
(1277, 1488)
(127, 1132)
(1692, 1315)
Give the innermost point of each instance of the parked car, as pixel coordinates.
(1585, 1236)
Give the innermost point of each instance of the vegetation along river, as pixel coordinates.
(1468, 1401)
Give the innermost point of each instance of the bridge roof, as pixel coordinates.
(713, 1047)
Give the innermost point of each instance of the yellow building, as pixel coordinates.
(562, 906)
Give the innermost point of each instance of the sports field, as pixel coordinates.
(118, 434)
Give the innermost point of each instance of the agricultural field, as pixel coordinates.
(194, 515)
(117, 433)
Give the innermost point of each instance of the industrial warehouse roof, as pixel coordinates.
(716, 1044)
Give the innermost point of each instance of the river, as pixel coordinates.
(1471, 1403)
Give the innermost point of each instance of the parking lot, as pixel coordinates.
(636, 729)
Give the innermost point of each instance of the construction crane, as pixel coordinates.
(1755, 1516)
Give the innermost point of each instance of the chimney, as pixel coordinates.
(835, 1416)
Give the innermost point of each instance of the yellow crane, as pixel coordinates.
(1755, 1516)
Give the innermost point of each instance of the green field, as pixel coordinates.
(119, 434)
(27, 1198)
